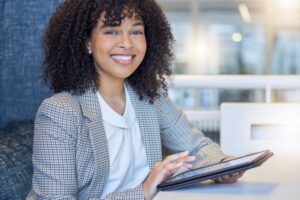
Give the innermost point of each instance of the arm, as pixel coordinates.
(135, 193)
(54, 144)
(179, 135)
(54, 156)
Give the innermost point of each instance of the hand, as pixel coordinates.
(231, 178)
(164, 169)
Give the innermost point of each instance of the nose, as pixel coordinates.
(125, 42)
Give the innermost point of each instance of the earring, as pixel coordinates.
(90, 51)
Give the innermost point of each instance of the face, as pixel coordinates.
(118, 50)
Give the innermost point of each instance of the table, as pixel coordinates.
(277, 179)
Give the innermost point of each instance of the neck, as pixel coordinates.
(114, 94)
(111, 89)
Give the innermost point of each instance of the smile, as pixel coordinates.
(123, 59)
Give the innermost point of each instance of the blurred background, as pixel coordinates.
(245, 37)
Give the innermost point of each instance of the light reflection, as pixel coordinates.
(203, 50)
(237, 37)
(245, 13)
(287, 4)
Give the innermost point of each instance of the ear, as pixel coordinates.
(88, 46)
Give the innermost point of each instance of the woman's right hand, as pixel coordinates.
(164, 169)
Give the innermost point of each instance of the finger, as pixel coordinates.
(219, 180)
(163, 171)
(173, 168)
(235, 175)
(175, 157)
(182, 169)
(232, 180)
(187, 159)
(225, 178)
(170, 168)
(241, 173)
(187, 165)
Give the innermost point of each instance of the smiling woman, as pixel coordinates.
(101, 135)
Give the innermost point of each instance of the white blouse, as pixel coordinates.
(127, 155)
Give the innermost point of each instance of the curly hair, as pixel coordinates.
(69, 67)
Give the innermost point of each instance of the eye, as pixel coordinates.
(111, 33)
(137, 32)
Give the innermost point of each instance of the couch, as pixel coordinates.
(15, 160)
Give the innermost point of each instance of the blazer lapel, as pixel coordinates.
(149, 126)
(92, 111)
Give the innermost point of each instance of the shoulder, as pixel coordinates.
(62, 99)
(167, 109)
(163, 101)
(60, 104)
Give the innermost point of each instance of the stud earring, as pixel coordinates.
(90, 51)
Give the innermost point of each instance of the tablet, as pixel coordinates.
(216, 170)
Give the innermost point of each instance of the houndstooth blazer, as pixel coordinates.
(70, 151)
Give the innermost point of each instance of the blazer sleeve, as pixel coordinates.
(179, 135)
(129, 194)
(54, 159)
(54, 143)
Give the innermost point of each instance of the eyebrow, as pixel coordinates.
(139, 24)
(134, 25)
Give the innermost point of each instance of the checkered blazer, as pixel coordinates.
(70, 151)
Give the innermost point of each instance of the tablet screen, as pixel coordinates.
(213, 168)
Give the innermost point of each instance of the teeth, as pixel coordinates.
(125, 58)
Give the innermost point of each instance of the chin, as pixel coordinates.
(126, 74)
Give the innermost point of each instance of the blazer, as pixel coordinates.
(70, 150)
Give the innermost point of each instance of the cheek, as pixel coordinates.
(101, 44)
(140, 43)
(143, 47)
(102, 47)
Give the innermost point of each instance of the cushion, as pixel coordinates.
(15, 159)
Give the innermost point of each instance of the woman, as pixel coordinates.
(101, 135)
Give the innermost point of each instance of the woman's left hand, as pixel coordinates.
(231, 178)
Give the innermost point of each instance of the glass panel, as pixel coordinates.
(210, 99)
(216, 40)
(286, 54)
(286, 58)
(292, 95)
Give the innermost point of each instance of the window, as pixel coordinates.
(233, 37)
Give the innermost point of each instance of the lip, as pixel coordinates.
(124, 59)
